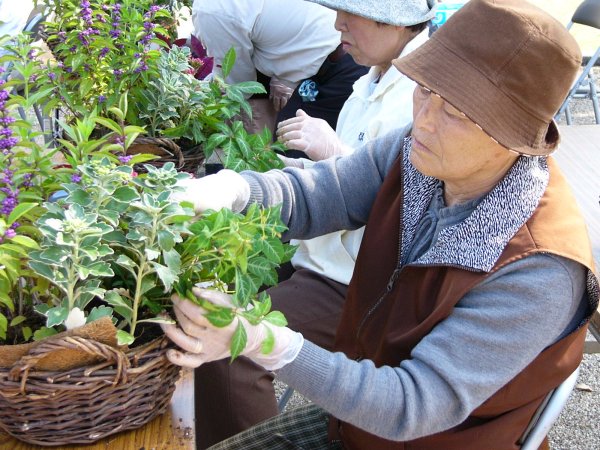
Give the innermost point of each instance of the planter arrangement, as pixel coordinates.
(93, 241)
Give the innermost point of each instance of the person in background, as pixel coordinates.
(279, 43)
(373, 34)
(464, 310)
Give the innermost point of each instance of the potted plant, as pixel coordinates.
(93, 242)
(104, 49)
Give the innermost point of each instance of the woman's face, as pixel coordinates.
(369, 43)
(450, 147)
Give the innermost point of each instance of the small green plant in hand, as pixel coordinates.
(238, 254)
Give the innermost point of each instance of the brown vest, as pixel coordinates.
(387, 326)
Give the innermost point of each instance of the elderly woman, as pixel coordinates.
(474, 282)
(373, 33)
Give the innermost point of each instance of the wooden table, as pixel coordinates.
(174, 430)
(579, 158)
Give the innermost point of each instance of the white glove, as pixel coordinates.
(280, 92)
(203, 342)
(312, 136)
(292, 162)
(225, 189)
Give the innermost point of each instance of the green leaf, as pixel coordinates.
(172, 260)
(42, 269)
(123, 106)
(118, 113)
(85, 86)
(120, 304)
(221, 317)
(27, 333)
(25, 241)
(228, 61)
(268, 342)
(166, 275)
(20, 210)
(6, 301)
(108, 123)
(238, 341)
(127, 263)
(142, 158)
(271, 247)
(99, 312)
(124, 338)
(100, 269)
(116, 237)
(3, 326)
(246, 286)
(166, 240)
(125, 194)
(43, 333)
(56, 316)
(17, 320)
(276, 318)
(251, 87)
(79, 197)
(164, 320)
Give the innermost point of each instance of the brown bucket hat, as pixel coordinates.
(506, 64)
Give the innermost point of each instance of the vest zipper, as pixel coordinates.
(388, 289)
(392, 279)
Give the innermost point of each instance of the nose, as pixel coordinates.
(340, 21)
(426, 111)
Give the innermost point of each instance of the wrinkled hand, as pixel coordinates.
(225, 189)
(280, 92)
(202, 342)
(312, 136)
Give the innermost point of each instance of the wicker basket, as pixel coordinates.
(83, 405)
(186, 159)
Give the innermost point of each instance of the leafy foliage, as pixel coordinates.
(118, 245)
(114, 243)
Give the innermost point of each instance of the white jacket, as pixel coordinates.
(367, 114)
(288, 39)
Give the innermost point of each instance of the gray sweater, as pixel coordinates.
(493, 333)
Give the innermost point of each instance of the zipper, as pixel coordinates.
(395, 274)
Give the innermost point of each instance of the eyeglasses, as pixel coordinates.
(422, 93)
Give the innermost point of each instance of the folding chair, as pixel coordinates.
(285, 398)
(547, 414)
(587, 13)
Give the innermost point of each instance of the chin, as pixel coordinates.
(420, 163)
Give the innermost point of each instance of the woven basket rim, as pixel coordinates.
(83, 405)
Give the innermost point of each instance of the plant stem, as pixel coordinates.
(140, 277)
(72, 275)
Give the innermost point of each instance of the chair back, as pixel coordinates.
(587, 13)
(547, 414)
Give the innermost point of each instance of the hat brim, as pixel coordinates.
(463, 86)
(359, 8)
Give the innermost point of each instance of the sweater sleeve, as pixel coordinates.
(494, 332)
(334, 194)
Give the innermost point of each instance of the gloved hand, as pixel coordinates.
(280, 92)
(312, 136)
(225, 189)
(292, 162)
(203, 342)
